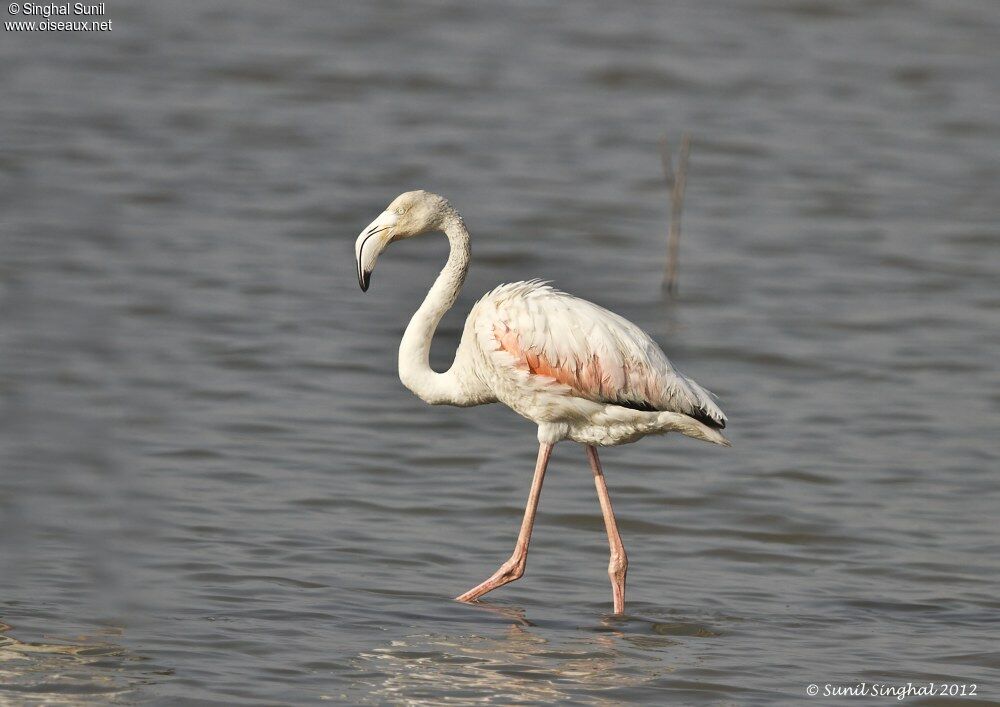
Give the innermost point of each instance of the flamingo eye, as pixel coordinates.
(399, 210)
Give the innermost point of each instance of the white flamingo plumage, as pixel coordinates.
(577, 370)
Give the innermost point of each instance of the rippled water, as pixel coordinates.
(214, 487)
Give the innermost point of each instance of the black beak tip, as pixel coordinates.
(364, 280)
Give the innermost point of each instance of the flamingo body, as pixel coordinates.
(578, 370)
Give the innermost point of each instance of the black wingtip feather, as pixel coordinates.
(699, 414)
(703, 417)
(633, 405)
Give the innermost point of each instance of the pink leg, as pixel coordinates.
(514, 567)
(618, 566)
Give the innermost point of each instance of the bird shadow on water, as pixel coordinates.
(511, 658)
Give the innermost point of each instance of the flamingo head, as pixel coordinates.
(410, 214)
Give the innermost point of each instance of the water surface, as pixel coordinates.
(214, 488)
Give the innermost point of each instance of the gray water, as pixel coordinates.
(214, 488)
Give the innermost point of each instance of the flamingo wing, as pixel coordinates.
(565, 342)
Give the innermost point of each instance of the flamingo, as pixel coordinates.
(577, 370)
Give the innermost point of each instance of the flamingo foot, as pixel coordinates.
(509, 571)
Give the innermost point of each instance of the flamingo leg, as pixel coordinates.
(618, 566)
(514, 567)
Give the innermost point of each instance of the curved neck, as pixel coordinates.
(414, 350)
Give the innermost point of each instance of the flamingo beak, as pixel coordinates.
(370, 244)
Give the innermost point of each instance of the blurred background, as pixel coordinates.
(213, 486)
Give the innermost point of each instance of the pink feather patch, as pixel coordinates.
(586, 375)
